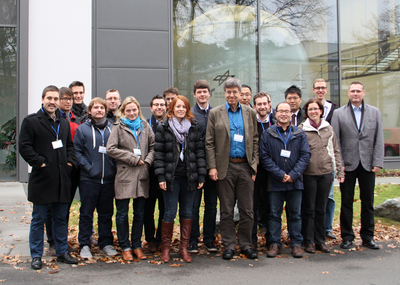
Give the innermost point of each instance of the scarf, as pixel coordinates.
(80, 110)
(180, 129)
(99, 124)
(314, 124)
(132, 125)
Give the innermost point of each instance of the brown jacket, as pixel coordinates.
(218, 139)
(324, 149)
(131, 180)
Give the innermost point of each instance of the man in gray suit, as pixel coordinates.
(358, 127)
(232, 158)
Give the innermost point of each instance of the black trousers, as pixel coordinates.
(366, 182)
(260, 203)
(313, 210)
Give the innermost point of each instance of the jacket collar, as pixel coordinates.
(307, 126)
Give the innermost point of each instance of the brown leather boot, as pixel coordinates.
(186, 228)
(139, 253)
(166, 236)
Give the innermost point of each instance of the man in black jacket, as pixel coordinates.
(320, 90)
(201, 91)
(45, 144)
(113, 100)
(79, 108)
(293, 98)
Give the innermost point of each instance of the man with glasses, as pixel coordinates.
(232, 159)
(158, 107)
(358, 128)
(113, 100)
(284, 153)
(320, 90)
(293, 98)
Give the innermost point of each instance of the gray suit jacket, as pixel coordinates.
(366, 145)
(218, 139)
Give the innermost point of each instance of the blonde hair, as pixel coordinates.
(128, 100)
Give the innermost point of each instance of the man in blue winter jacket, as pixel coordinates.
(284, 153)
(97, 173)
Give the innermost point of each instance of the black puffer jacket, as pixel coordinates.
(167, 155)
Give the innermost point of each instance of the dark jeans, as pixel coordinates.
(210, 212)
(100, 197)
(237, 185)
(315, 198)
(330, 206)
(293, 207)
(149, 221)
(260, 205)
(123, 225)
(59, 229)
(74, 184)
(181, 194)
(366, 181)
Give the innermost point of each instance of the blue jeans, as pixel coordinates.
(293, 200)
(330, 206)
(181, 194)
(60, 228)
(101, 197)
(210, 212)
(121, 220)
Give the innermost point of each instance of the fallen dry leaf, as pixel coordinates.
(339, 251)
(53, 272)
(325, 272)
(175, 265)
(39, 271)
(3, 280)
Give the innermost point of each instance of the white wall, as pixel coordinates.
(60, 46)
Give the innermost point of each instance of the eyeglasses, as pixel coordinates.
(283, 111)
(159, 105)
(66, 99)
(320, 88)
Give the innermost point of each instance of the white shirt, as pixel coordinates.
(327, 108)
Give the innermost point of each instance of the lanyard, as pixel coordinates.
(58, 128)
(233, 122)
(102, 135)
(269, 122)
(137, 139)
(279, 133)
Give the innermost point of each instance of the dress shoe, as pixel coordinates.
(36, 263)
(228, 254)
(322, 247)
(66, 258)
(273, 250)
(139, 253)
(250, 253)
(370, 244)
(152, 246)
(297, 251)
(127, 255)
(346, 244)
(309, 248)
(330, 235)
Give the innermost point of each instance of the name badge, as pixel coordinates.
(181, 156)
(285, 153)
(102, 149)
(137, 151)
(57, 144)
(238, 138)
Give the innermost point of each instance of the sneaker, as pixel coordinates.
(192, 248)
(109, 250)
(211, 246)
(85, 252)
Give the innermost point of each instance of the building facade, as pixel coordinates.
(143, 47)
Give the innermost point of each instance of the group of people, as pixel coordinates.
(252, 156)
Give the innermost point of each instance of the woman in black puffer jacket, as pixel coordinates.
(180, 168)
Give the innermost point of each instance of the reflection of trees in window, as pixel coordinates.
(8, 12)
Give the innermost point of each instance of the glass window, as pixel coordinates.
(8, 12)
(370, 46)
(213, 42)
(8, 102)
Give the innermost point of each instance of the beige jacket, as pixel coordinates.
(324, 149)
(131, 180)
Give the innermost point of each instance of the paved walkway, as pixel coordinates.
(15, 216)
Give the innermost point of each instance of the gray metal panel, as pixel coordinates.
(133, 49)
(23, 40)
(143, 84)
(133, 15)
